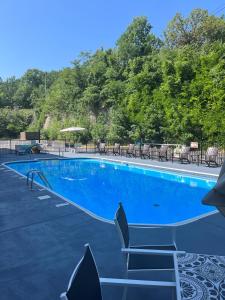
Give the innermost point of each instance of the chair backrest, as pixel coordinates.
(185, 149)
(131, 147)
(212, 151)
(84, 282)
(116, 146)
(122, 226)
(102, 146)
(146, 147)
(163, 149)
(153, 148)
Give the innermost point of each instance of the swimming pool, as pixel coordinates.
(148, 196)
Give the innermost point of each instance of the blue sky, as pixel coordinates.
(49, 34)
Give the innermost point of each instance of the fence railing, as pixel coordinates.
(8, 146)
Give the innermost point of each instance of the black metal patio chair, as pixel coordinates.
(135, 255)
(162, 153)
(145, 151)
(184, 155)
(153, 152)
(102, 148)
(130, 151)
(211, 157)
(137, 150)
(116, 149)
(85, 283)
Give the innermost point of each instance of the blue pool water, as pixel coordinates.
(148, 196)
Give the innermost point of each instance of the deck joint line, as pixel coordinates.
(62, 204)
(44, 197)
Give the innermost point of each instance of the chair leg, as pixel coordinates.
(124, 297)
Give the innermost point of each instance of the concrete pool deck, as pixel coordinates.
(42, 240)
(166, 165)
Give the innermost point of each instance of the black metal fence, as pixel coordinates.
(8, 146)
(197, 155)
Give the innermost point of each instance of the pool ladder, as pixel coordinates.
(30, 178)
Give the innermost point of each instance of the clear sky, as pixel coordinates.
(49, 34)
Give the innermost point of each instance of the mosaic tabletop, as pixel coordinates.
(202, 277)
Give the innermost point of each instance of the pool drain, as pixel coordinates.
(156, 205)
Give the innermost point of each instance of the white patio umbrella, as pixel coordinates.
(72, 129)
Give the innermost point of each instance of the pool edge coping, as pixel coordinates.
(177, 224)
(156, 166)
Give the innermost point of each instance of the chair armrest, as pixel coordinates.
(152, 251)
(136, 283)
(160, 226)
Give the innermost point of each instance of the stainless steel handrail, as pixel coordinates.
(30, 178)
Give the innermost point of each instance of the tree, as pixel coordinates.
(137, 40)
(12, 122)
(119, 126)
(24, 96)
(8, 89)
(197, 29)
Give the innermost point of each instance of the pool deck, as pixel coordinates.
(164, 165)
(42, 240)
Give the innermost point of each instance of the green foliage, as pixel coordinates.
(143, 89)
(12, 122)
(119, 126)
(197, 29)
(100, 129)
(137, 40)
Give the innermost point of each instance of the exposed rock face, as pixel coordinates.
(47, 122)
